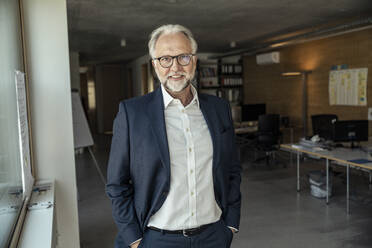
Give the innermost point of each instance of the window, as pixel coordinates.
(11, 59)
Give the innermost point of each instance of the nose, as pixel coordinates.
(175, 66)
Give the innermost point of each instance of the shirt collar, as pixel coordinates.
(167, 98)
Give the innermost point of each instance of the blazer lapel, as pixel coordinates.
(211, 118)
(155, 111)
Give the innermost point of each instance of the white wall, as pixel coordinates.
(51, 115)
(205, 56)
(231, 59)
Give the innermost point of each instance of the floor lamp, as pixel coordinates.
(303, 74)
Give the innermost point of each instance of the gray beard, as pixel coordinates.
(183, 86)
(171, 88)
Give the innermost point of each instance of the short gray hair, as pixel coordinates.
(170, 29)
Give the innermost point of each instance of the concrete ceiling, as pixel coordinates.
(96, 27)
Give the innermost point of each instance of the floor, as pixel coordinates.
(273, 213)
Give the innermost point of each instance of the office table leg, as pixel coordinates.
(370, 177)
(327, 167)
(298, 171)
(347, 188)
(291, 155)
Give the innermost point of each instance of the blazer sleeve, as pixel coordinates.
(119, 187)
(232, 216)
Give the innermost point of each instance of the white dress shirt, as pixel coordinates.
(190, 202)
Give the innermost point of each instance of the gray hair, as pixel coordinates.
(170, 29)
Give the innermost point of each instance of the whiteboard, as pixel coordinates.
(82, 134)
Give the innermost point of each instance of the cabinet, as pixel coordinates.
(207, 74)
(230, 77)
(221, 79)
(207, 77)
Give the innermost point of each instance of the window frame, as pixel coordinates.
(14, 235)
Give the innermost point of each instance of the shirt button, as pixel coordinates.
(192, 214)
(191, 171)
(183, 111)
(192, 193)
(190, 149)
(187, 129)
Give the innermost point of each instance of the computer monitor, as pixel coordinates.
(351, 131)
(251, 112)
(323, 125)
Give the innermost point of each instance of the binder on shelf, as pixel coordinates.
(209, 82)
(231, 81)
(232, 95)
(231, 69)
(208, 72)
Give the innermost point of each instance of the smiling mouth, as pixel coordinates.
(176, 77)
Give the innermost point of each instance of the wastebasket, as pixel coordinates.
(318, 183)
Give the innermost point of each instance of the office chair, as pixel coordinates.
(323, 125)
(268, 136)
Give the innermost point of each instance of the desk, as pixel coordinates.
(246, 131)
(246, 127)
(240, 129)
(341, 156)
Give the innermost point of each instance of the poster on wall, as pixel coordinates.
(348, 87)
(27, 178)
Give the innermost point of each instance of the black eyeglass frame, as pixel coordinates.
(173, 57)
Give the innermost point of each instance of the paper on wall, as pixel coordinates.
(348, 87)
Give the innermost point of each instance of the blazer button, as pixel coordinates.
(165, 193)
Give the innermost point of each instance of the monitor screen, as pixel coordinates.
(352, 130)
(323, 125)
(251, 112)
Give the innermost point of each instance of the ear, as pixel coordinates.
(153, 63)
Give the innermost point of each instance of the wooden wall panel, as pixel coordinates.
(283, 95)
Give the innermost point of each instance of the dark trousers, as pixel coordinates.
(217, 235)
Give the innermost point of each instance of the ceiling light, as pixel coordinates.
(83, 69)
(174, 1)
(123, 42)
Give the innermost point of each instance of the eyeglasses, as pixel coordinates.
(167, 61)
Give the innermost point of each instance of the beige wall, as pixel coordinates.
(51, 115)
(283, 95)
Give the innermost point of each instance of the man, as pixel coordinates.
(173, 172)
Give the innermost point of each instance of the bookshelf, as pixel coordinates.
(231, 81)
(221, 79)
(208, 81)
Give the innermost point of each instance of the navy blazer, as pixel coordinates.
(138, 175)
